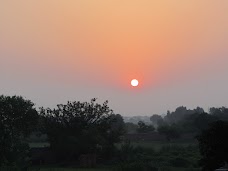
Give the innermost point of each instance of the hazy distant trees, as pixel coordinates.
(180, 114)
(143, 128)
(202, 121)
(221, 113)
(156, 120)
(182, 121)
(18, 118)
(81, 128)
(131, 128)
(170, 131)
(213, 144)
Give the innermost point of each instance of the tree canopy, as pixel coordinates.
(82, 127)
(18, 119)
(170, 131)
(213, 144)
(143, 128)
(156, 120)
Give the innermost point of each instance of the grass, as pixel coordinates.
(157, 145)
(178, 169)
(67, 169)
(100, 169)
(154, 145)
(39, 144)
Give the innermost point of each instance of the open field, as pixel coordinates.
(98, 169)
(56, 169)
(38, 144)
(157, 145)
(66, 169)
(166, 152)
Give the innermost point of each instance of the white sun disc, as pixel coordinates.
(134, 82)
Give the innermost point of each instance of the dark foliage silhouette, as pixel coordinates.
(213, 144)
(82, 128)
(18, 118)
(143, 128)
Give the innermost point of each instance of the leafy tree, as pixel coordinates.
(143, 128)
(82, 128)
(221, 113)
(180, 114)
(177, 115)
(196, 122)
(18, 119)
(131, 127)
(171, 132)
(202, 121)
(117, 127)
(156, 120)
(213, 144)
(116, 130)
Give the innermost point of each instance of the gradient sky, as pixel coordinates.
(52, 51)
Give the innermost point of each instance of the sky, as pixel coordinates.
(54, 51)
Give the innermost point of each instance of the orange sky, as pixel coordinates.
(84, 44)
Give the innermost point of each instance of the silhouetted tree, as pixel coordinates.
(131, 127)
(157, 120)
(143, 128)
(199, 110)
(18, 119)
(171, 132)
(117, 127)
(213, 144)
(82, 128)
(202, 121)
(180, 114)
(115, 133)
(221, 113)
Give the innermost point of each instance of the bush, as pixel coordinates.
(179, 162)
(136, 166)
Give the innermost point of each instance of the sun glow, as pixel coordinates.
(134, 82)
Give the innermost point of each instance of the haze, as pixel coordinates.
(52, 51)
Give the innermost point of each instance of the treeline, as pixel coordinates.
(84, 134)
(76, 131)
(180, 122)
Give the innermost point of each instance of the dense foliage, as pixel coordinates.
(84, 132)
(143, 128)
(170, 131)
(82, 128)
(148, 159)
(18, 119)
(213, 144)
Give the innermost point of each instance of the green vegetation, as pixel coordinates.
(68, 169)
(167, 155)
(54, 169)
(213, 145)
(82, 130)
(157, 145)
(89, 136)
(39, 144)
(18, 118)
(143, 128)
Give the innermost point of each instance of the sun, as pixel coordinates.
(134, 82)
